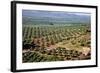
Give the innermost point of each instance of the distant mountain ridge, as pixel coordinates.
(58, 17)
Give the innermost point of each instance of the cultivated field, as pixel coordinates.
(43, 43)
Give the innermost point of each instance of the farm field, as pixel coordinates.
(56, 42)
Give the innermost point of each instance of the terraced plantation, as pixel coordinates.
(45, 43)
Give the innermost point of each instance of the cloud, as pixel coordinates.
(80, 13)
